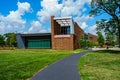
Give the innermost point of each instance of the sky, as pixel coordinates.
(33, 16)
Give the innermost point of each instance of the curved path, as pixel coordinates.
(65, 69)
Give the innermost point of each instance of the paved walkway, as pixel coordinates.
(95, 49)
(65, 69)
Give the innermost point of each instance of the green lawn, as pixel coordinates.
(100, 65)
(22, 64)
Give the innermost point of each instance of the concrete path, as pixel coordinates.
(65, 69)
(96, 49)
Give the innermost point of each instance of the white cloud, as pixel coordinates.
(13, 21)
(92, 29)
(36, 27)
(49, 7)
(65, 8)
(83, 18)
(84, 25)
(71, 7)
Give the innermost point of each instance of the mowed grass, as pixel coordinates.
(100, 65)
(23, 64)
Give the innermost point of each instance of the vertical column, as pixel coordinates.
(52, 31)
(20, 42)
(71, 26)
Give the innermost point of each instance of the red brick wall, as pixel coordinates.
(92, 37)
(65, 43)
(78, 34)
(60, 43)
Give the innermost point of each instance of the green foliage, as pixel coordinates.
(2, 42)
(112, 8)
(85, 43)
(92, 43)
(110, 39)
(100, 65)
(105, 6)
(107, 26)
(13, 40)
(100, 39)
(10, 39)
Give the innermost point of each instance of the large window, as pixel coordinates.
(65, 30)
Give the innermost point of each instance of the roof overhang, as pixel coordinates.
(63, 21)
(36, 34)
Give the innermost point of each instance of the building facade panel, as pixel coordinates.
(65, 35)
(60, 39)
(34, 40)
(79, 33)
(92, 37)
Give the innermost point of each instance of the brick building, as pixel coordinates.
(92, 37)
(65, 35)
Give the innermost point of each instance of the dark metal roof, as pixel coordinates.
(36, 34)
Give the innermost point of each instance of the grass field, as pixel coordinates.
(100, 65)
(22, 64)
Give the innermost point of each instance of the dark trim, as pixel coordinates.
(36, 34)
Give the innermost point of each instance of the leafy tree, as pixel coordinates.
(110, 38)
(100, 39)
(7, 38)
(85, 43)
(111, 7)
(82, 42)
(2, 42)
(13, 40)
(10, 39)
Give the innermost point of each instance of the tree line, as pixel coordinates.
(110, 26)
(108, 40)
(8, 40)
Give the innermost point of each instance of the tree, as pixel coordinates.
(2, 42)
(85, 43)
(110, 38)
(13, 40)
(111, 7)
(10, 39)
(100, 39)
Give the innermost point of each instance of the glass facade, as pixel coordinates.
(65, 30)
(39, 44)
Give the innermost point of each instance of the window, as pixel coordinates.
(91, 38)
(65, 30)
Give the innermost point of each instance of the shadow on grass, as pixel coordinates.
(109, 51)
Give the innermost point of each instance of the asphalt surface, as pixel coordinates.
(65, 69)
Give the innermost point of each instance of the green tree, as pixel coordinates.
(100, 39)
(110, 38)
(10, 39)
(81, 42)
(85, 43)
(111, 7)
(13, 40)
(2, 42)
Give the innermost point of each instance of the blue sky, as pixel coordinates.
(33, 16)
